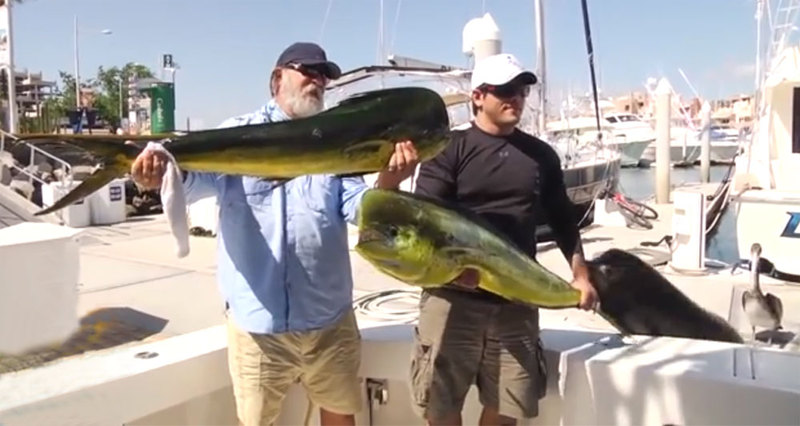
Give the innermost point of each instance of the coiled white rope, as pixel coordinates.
(383, 305)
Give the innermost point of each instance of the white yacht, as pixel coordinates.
(685, 148)
(725, 143)
(765, 184)
(631, 134)
(581, 130)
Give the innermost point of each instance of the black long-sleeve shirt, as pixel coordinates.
(502, 179)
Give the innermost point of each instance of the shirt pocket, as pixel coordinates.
(257, 191)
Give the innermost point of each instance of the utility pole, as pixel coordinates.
(77, 70)
(120, 99)
(13, 112)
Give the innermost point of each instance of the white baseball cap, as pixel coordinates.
(498, 70)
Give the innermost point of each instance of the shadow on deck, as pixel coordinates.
(101, 329)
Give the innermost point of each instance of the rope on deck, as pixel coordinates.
(374, 305)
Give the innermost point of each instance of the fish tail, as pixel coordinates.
(116, 151)
(95, 181)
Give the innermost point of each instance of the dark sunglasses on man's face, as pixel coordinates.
(507, 90)
(312, 71)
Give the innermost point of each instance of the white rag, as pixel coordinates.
(173, 200)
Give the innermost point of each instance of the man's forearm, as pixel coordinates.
(563, 221)
(571, 247)
(567, 236)
(578, 261)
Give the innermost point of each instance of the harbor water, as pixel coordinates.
(639, 184)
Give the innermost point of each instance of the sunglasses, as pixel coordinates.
(312, 71)
(506, 91)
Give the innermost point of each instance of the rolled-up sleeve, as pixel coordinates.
(199, 185)
(353, 189)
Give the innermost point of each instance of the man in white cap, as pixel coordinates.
(466, 335)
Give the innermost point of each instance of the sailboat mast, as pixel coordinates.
(540, 66)
(759, 17)
(590, 52)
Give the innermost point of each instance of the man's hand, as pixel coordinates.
(148, 169)
(468, 279)
(589, 297)
(401, 166)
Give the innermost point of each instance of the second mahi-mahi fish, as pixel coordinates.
(422, 242)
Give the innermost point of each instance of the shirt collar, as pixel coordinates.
(272, 112)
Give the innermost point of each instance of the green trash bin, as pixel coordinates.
(162, 108)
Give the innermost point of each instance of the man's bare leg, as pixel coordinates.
(327, 418)
(490, 416)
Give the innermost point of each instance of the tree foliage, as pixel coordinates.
(110, 87)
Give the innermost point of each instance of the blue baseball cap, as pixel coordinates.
(310, 54)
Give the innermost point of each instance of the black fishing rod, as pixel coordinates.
(590, 50)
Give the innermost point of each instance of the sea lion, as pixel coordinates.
(642, 301)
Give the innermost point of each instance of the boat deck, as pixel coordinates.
(133, 288)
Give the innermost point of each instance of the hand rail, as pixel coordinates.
(27, 171)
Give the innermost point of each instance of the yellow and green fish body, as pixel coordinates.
(355, 137)
(423, 243)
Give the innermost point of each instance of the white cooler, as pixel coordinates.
(107, 205)
(76, 215)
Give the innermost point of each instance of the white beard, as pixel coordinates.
(299, 103)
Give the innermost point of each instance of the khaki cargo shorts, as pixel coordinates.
(462, 340)
(325, 362)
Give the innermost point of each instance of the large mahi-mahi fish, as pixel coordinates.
(357, 136)
(428, 243)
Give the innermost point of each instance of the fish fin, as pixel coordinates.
(102, 145)
(95, 181)
(371, 95)
(464, 253)
(28, 137)
(363, 97)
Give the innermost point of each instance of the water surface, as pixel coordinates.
(640, 184)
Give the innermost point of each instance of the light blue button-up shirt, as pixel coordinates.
(283, 255)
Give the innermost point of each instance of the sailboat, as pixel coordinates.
(589, 169)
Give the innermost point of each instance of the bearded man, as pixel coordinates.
(283, 259)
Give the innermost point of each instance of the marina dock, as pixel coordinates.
(133, 289)
(692, 172)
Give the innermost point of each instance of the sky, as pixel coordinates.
(226, 49)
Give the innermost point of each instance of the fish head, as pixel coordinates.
(427, 125)
(396, 250)
(392, 238)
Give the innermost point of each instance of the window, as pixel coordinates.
(796, 121)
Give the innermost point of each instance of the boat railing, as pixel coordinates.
(29, 170)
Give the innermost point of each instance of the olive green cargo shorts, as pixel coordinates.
(325, 362)
(461, 340)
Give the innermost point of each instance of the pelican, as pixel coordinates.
(763, 310)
